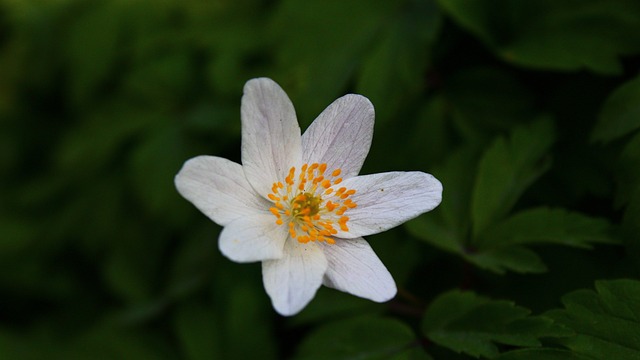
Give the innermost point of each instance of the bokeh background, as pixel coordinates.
(526, 110)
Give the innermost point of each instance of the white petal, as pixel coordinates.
(219, 189)
(271, 141)
(386, 200)
(354, 268)
(253, 238)
(341, 135)
(292, 281)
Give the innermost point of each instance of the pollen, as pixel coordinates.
(310, 204)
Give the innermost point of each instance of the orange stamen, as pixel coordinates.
(299, 202)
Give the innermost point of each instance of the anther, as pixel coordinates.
(299, 202)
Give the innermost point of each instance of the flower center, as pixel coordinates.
(311, 203)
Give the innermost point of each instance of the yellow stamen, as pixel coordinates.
(299, 202)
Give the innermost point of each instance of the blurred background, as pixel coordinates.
(517, 106)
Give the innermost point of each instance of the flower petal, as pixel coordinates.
(271, 141)
(292, 281)
(253, 238)
(386, 200)
(354, 268)
(341, 135)
(218, 188)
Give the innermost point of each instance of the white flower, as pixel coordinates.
(296, 202)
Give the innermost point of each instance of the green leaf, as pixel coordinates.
(631, 219)
(628, 171)
(541, 354)
(16, 234)
(330, 304)
(248, 321)
(606, 321)
(501, 247)
(458, 173)
(154, 164)
(448, 226)
(546, 225)
(126, 276)
(93, 47)
(192, 261)
(19, 345)
(514, 258)
(164, 80)
(429, 230)
(507, 169)
(393, 74)
(428, 133)
(575, 34)
(135, 254)
(100, 138)
(364, 338)
(197, 330)
(233, 32)
(485, 100)
(620, 114)
(560, 35)
(106, 341)
(475, 16)
(326, 48)
(631, 226)
(468, 323)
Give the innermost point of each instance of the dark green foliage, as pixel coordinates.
(474, 219)
(527, 111)
(541, 354)
(606, 322)
(466, 322)
(547, 34)
(620, 113)
(507, 168)
(362, 338)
